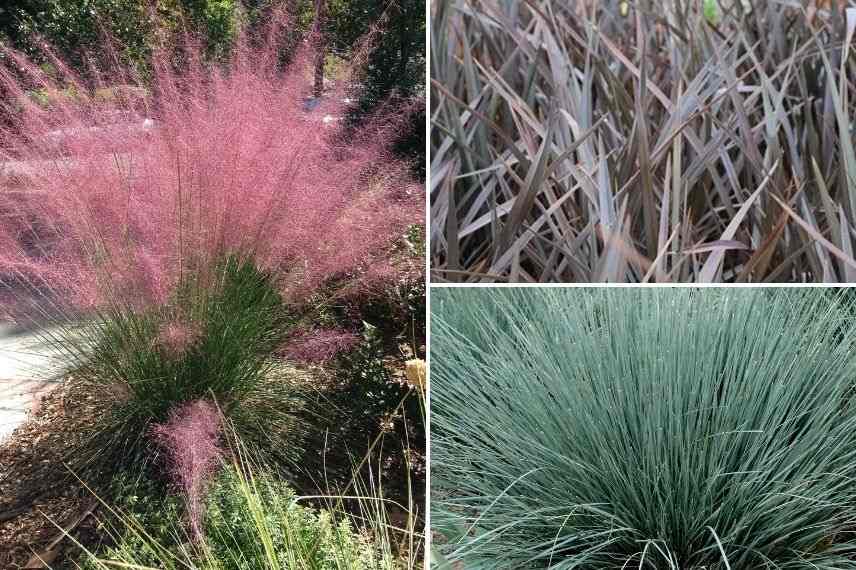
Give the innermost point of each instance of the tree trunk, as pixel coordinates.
(320, 46)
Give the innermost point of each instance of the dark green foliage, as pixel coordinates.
(76, 28)
(374, 403)
(400, 304)
(393, 329)
(411, 144)
(370, 390)
(73, 26)
(396, 64)
(668, 429)
(398, 318)
(367, 398)
(397, 310)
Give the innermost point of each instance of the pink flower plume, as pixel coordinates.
(320, 345)
(191, 442)
(123, 193)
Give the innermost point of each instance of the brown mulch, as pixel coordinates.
(35, 486)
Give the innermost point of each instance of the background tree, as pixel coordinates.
(395, 66)
(318, 36)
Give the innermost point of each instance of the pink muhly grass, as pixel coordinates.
(124, 195)
(191, 442)
(176, 337)
(320, 345)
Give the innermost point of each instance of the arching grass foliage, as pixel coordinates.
(659, 429)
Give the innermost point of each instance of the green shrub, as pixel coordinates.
(74, 27)
(144, 514)
(370, 394)
(397, 309)
(644, 428)
(368, 379)
(250, 524)
(317, 539)
(395, 65)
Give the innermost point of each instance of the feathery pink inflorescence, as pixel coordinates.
(320, 345)
(118, 195)
(191, 441)
(175, 337)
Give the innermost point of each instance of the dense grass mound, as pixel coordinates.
(214, 339)
(658, 429)
(677, 140)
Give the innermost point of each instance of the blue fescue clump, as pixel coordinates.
(659, 429)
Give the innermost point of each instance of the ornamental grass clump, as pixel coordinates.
(115, 199)
(170, 231)
(214, 338)
(661, 429)
(643, 141)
